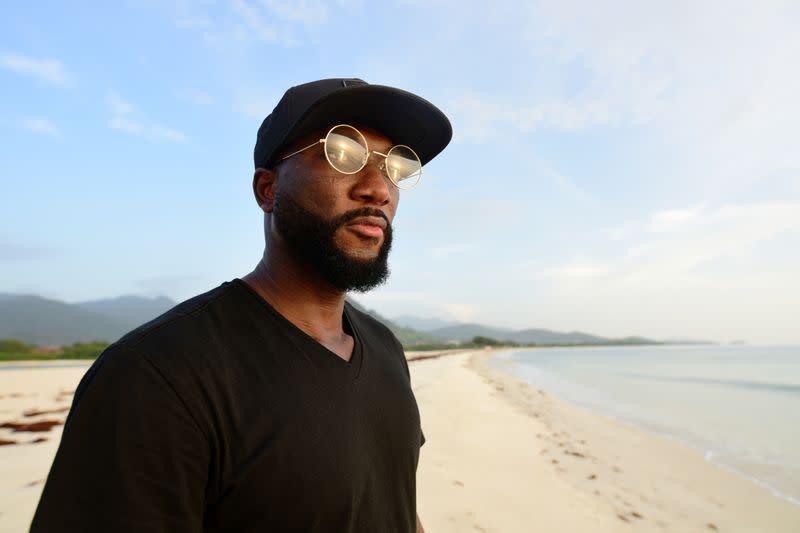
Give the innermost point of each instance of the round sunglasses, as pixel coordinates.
(347, 152)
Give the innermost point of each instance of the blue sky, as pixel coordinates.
(619, 169)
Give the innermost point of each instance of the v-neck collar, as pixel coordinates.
(356, 357)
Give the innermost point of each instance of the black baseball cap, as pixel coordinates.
(402, 116)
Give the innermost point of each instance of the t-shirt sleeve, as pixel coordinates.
(131, 458)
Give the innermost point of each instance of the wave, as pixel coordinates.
(790, 388)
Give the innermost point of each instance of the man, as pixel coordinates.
(269, 403)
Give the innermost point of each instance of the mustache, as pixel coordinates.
(344, 218)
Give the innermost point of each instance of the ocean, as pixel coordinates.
(739, 404)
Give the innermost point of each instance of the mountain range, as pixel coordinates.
(42, 321)
(459, 332)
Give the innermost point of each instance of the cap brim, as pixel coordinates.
(403, 117)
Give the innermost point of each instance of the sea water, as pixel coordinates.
(740, 405)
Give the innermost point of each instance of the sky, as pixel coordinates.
(619, 168)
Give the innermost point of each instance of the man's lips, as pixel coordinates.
(372, 227)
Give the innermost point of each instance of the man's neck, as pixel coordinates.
(302, 297)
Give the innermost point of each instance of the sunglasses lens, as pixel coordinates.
(403, 166)
(346, 149)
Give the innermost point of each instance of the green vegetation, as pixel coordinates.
(83, 350)
(481, 341)
(476, 342)
(13, 346)
(16, 350)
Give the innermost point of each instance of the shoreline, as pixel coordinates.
(622, 476)
(496, 368)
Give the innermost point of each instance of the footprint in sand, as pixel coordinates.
(574, 454)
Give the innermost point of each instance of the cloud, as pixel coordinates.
(120, 106)
(47, 70)
(672, 219)
(190, 14)
(720, 90)
(41, 125)
(255, 20)
(169, 134)
(125, 118)
(717, 272)
(482, 117)
(674, 245)
(308, 12)
(125, 124)
(263, 21)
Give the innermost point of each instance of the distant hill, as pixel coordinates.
(42, 321)
(129, 309)
(37, 320)
(407, 336)
(678, 340)
(465, 332)
(423, 324)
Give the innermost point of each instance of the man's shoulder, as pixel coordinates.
(184, 346)
(184, 321)
(191, 338)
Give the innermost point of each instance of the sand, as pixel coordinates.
(499, 457)
(502, 456)
(37, 387)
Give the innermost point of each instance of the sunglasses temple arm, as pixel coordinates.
(302, 149)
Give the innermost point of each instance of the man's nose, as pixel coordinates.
(373, 186)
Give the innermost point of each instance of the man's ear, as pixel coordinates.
(265, 182)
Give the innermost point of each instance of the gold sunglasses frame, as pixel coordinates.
(366, 158)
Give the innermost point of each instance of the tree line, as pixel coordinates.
(15, 349)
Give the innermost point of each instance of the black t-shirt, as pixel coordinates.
(221, 415)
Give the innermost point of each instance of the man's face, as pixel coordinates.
(339, 224)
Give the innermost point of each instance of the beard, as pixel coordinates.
(310, 238)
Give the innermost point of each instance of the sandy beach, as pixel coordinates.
(37, 395)
(500, 457)
(503, 457)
